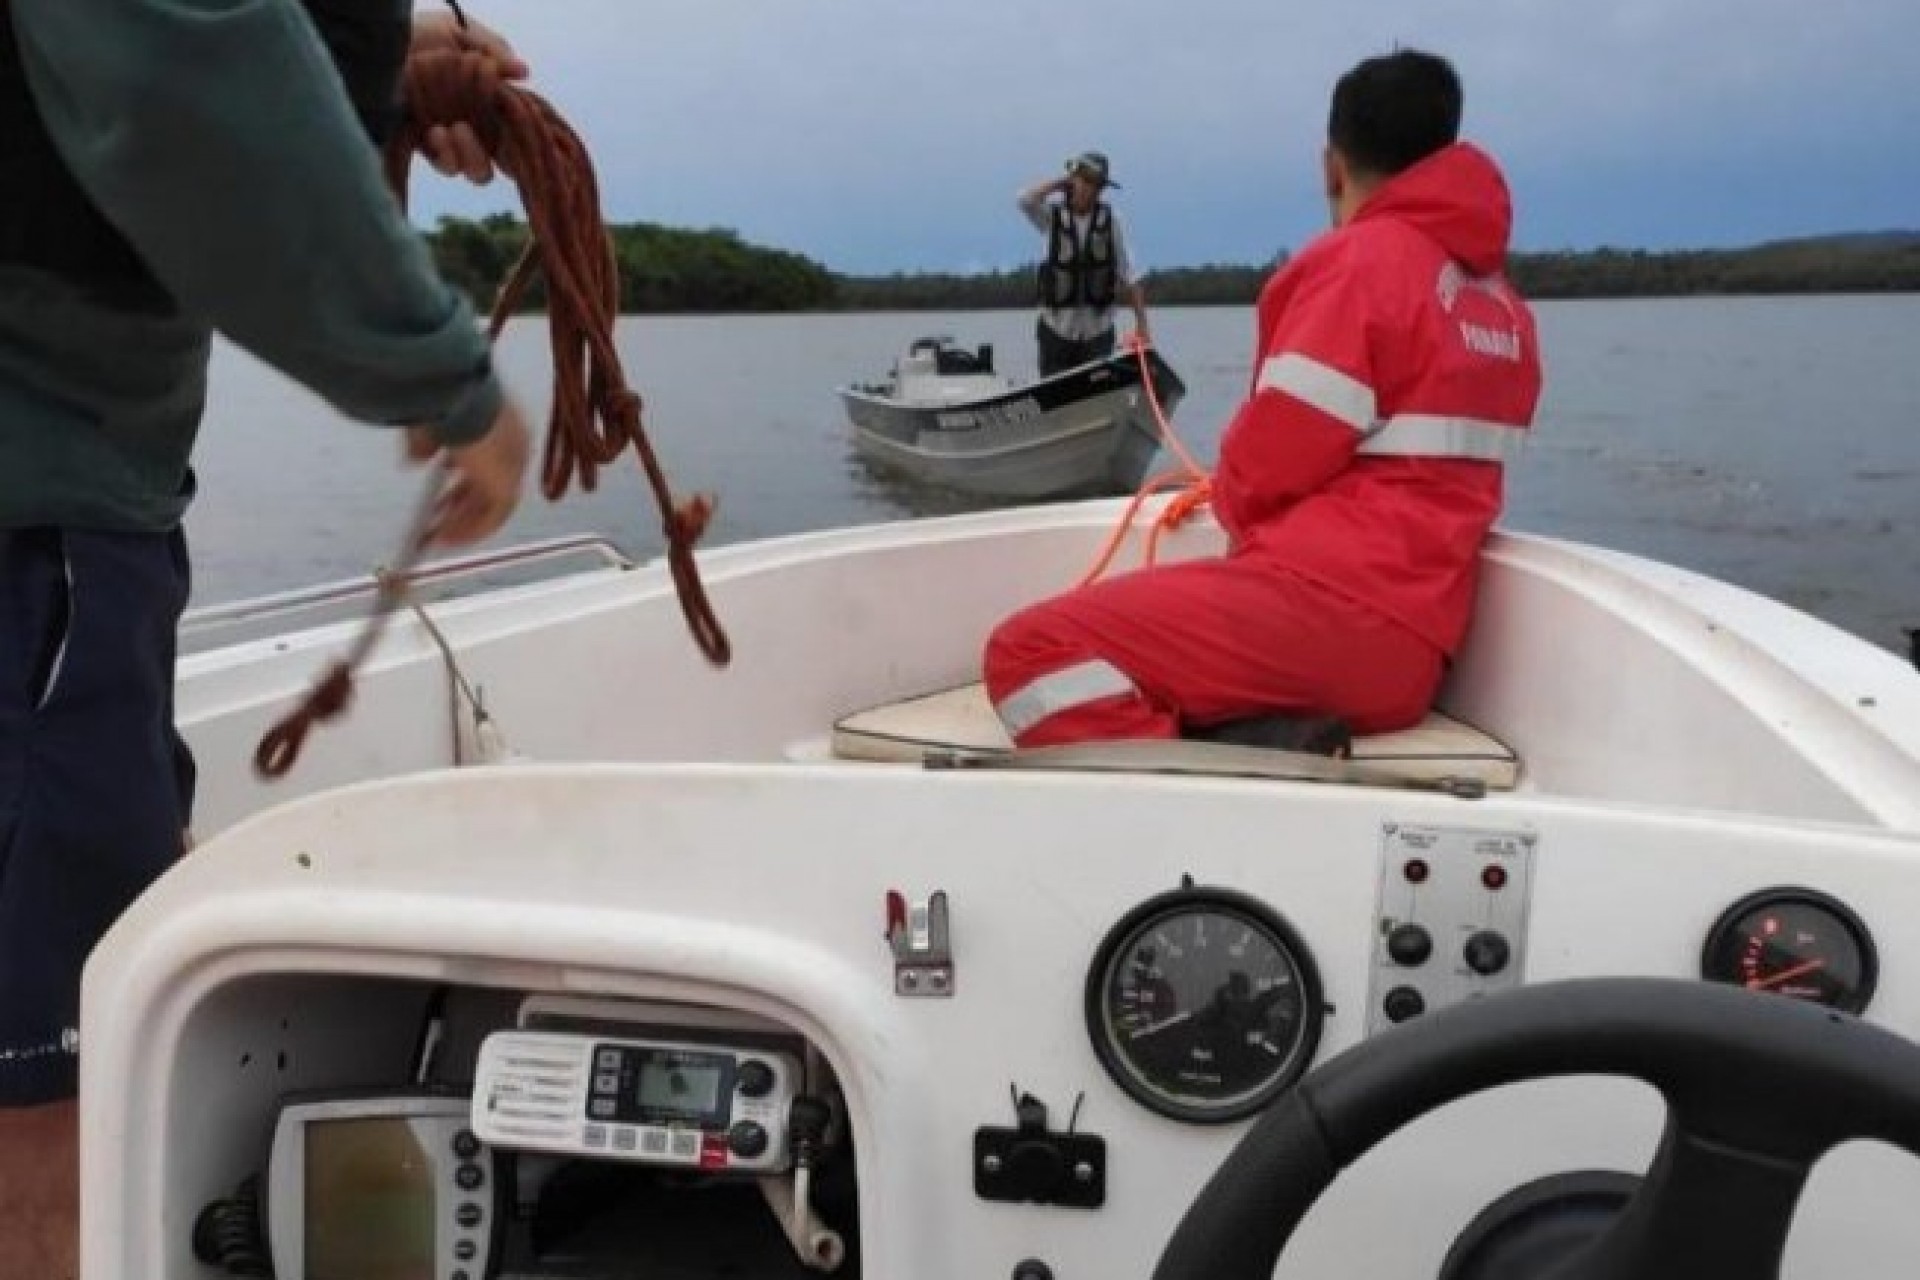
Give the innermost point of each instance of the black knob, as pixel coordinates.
(746, 1140)
(755, 1079)
(1032, 1269)
(1402, 1003)
(465, 1145)
(469, 1176)
(1487, 953)
(1409, 945)
(469, 1214)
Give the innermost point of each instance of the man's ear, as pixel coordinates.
(1333, 172)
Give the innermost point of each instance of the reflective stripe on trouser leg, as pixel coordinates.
(1062, 690)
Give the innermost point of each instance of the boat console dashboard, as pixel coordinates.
(784, 1021)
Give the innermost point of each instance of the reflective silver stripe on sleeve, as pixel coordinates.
(1419, 435)
(1057, 691)
(1336, 394)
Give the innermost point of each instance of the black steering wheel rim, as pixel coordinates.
(1675, 1035)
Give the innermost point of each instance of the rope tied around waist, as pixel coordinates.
(594, 413)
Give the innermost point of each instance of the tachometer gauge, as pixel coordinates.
(1794, 942)
(1203, 1005)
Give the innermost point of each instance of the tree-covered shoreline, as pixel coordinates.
(670, 270)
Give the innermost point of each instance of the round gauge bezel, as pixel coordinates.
(1278, 934)
(1842, 915)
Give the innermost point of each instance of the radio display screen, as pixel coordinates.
(684, 1088)
(635, 1085)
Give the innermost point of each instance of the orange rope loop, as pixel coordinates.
(594, 414)
(1181, 507)
(280, 746)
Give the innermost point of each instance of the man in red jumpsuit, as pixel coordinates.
(1396, 372)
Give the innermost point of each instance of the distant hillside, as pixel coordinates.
(1856, 262)
(1867, 262)
(668, 269)
(662, 269)
(1850, 242)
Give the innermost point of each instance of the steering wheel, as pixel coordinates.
(1719, 1197)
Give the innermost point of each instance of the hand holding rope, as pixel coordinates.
(594, 414)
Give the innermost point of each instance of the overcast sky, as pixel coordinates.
(883, 135)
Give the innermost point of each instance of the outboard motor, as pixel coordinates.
(957, 360)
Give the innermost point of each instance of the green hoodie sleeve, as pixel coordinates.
(217, 136)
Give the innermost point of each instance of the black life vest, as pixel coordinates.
(48, 221)
(1076, 273)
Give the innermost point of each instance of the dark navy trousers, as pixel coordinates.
(96, 787)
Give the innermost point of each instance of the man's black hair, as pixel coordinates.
(1391, 112)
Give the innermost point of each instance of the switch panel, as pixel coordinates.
(1450, 920)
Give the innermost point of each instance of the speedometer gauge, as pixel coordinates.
(1203, 1005)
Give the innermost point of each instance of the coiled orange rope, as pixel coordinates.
(594, 415)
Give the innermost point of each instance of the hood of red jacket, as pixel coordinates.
(1457, 196)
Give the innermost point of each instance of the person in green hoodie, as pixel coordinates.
(176, 168)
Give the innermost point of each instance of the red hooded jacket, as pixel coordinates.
(1396, 372)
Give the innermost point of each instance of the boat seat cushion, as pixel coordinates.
(963, 719)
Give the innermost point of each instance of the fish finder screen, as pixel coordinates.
(686, 1088)
(370, 1201)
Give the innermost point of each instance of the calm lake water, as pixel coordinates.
(1771, 442)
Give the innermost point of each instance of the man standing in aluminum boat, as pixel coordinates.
(1086, 266)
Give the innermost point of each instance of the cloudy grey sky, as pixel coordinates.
(883, 135)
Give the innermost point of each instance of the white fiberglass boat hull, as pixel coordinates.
(684, 835)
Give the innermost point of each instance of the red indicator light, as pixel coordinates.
(1415, 871)
(1494, 877)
